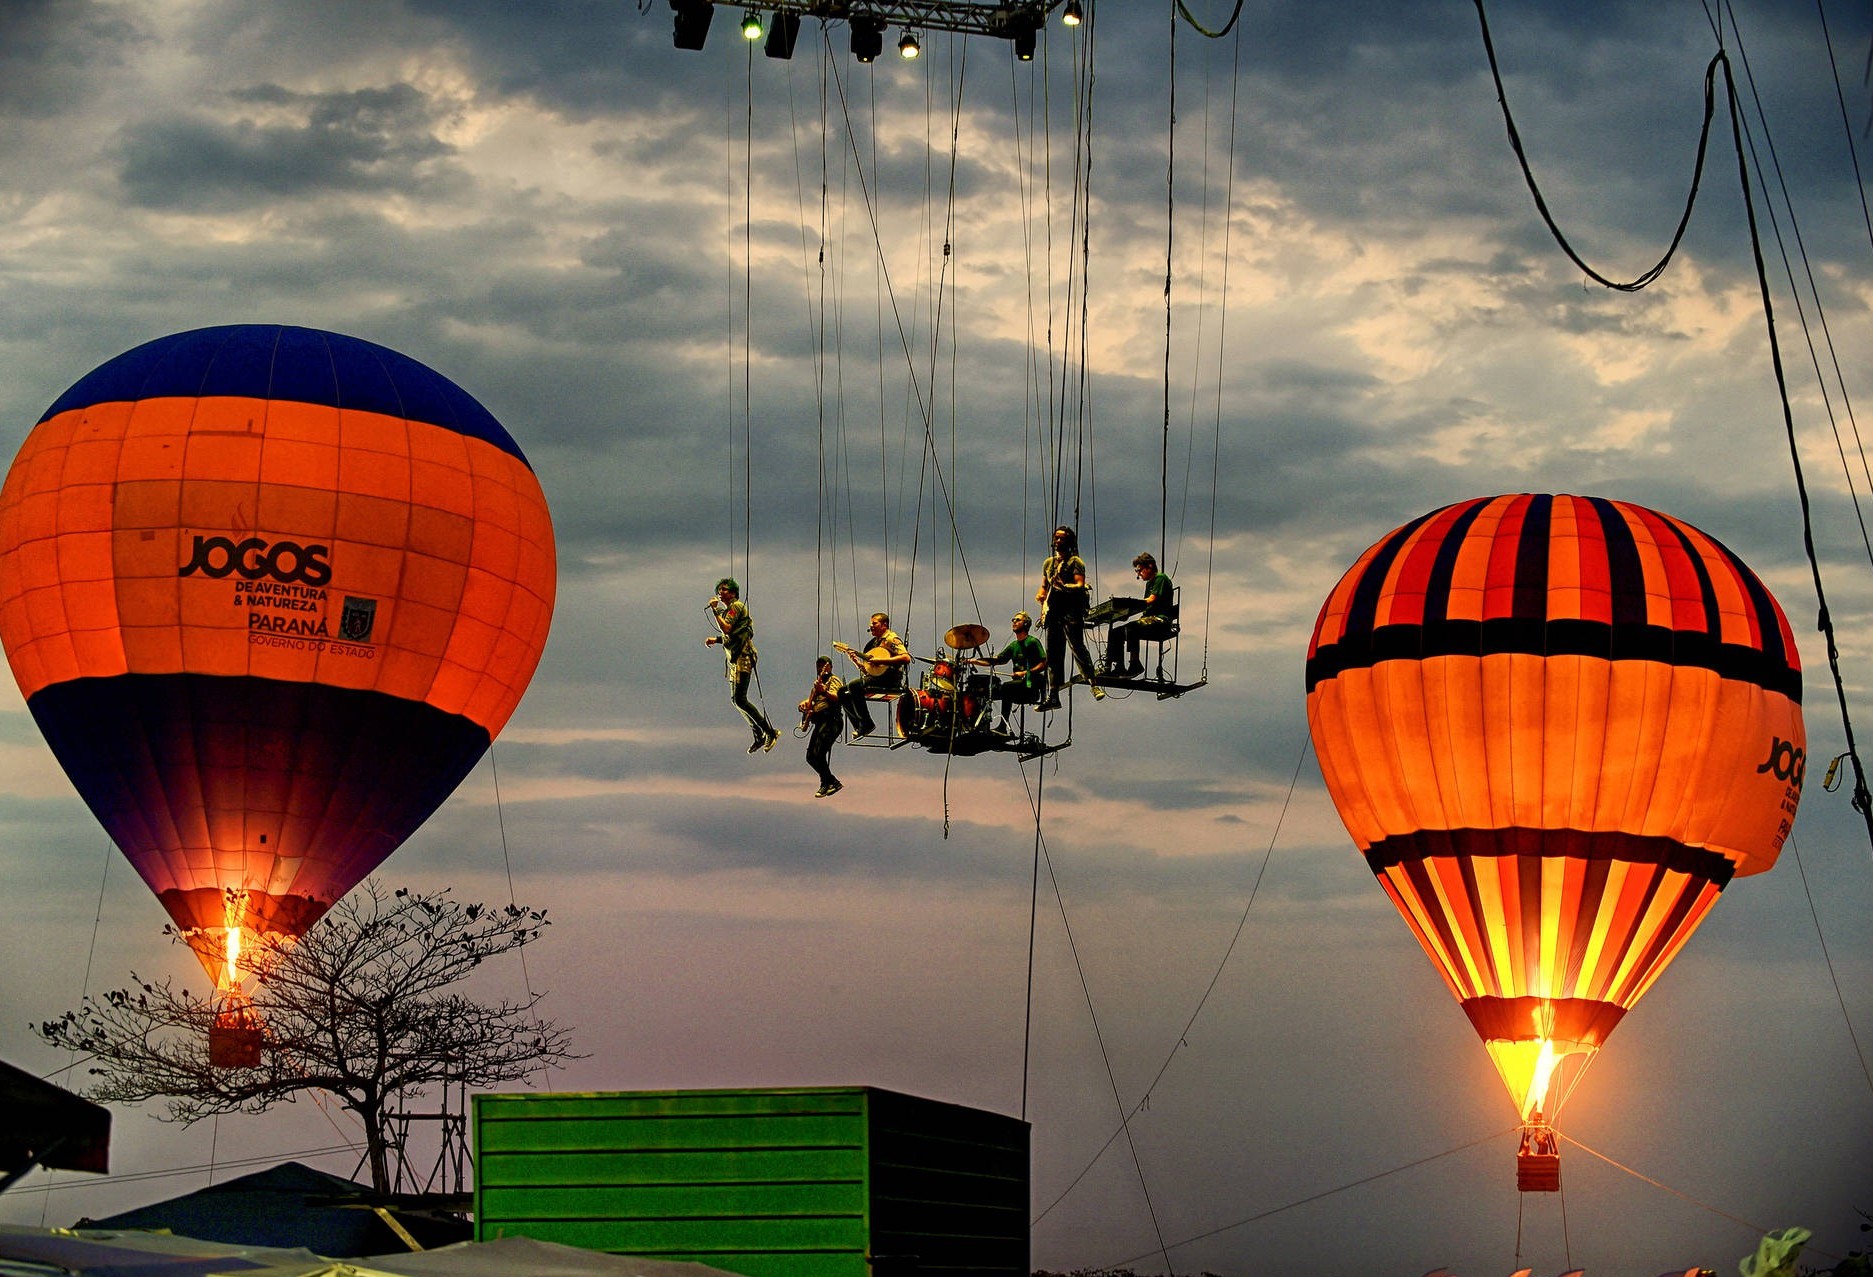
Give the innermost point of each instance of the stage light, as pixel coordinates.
(692, 22)
(1071, 15)
(751, 25)
(1024, 44)
(908, 47)
(867, 38)
(781, 34)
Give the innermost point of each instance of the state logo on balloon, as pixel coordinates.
(1557, 727)
(270, 593)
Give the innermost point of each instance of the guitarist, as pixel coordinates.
(1063, 598)
(737, 640)
(819, 714)
(883, 671)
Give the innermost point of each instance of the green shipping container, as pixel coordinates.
(808, 1182)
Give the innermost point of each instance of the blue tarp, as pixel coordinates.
(287, 1205)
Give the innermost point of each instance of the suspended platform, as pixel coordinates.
(1164, 688)
(968, 742)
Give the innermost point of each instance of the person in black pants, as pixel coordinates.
(821, 714)
(1063, 599)
(1149, 626)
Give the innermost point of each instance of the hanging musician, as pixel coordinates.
(820, 715)
(881, 667)
(737, 640)
(1154, 623)
(1063, 599)
(1027, 669)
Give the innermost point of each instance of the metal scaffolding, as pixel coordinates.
(1004, 18)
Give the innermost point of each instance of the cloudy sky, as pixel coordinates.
(711, 294)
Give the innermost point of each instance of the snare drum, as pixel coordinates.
(942, 676)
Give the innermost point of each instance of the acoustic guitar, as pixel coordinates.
(871, 663)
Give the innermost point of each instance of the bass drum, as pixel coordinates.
(916, 711)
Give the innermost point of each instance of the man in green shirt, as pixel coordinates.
(1027, 662)
(1149, 626)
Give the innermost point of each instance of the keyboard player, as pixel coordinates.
(1154, 621)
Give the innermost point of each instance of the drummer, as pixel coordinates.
(1027, 674)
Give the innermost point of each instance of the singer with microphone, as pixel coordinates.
(737, 639)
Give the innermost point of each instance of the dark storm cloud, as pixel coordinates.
(364, 140)
(50, 49)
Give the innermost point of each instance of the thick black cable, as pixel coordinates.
(1862, 800)
(1203, 30)
(1541, 205)
(1801, 310)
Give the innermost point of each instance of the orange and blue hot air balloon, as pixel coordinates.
(270, 593)
(1557, 727)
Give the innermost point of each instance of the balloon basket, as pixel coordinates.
(1538, 1161)
(234, 1040)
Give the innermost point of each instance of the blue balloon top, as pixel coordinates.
(278, 361)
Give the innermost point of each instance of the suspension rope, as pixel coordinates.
(1862, 800)
(1682, 1196)
(1322, 1195)
(1170, 241)
(1832, 974)
(1183, 1035)
(1222, 328)
(1092, 1012)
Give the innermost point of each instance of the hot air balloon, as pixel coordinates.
(269, 593)
(1556, 727)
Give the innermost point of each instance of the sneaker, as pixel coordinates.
(827, 791)
(1099, 693)
(760, 743)
(771, 738)
(1137, 670)
(1052, 702)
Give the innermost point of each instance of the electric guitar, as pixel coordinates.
(871, 663)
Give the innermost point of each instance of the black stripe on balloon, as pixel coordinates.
(1530, 601)
(1625, 571)
(1366, 595)
(1573, 844)
(1418, 877)
(1364, 649)
(1592, 892)
(1707, 593)
(1444, 566)
(1668, 931)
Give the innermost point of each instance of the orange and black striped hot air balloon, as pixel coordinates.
(1557, 727)
(270, 593)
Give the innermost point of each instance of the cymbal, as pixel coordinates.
(965, 636)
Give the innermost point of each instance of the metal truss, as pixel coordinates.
(1004, 18)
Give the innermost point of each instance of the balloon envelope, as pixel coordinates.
(270, 593)
(1557, 727)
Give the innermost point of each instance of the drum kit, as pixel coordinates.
(948, 701)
